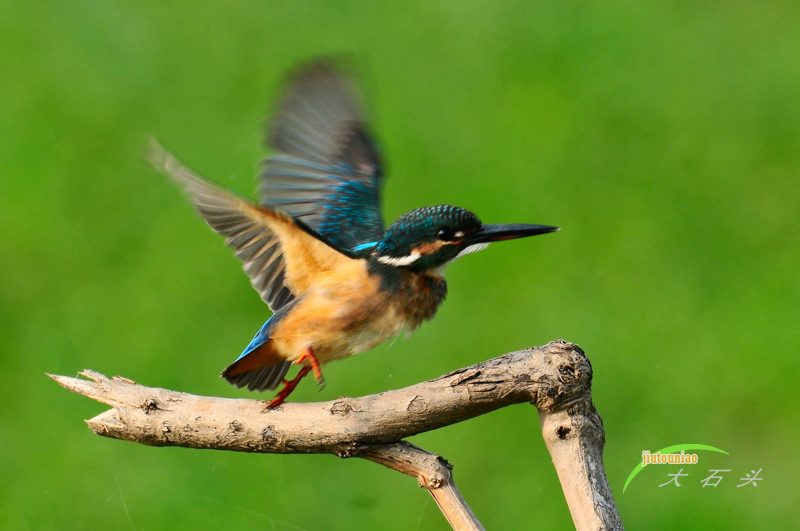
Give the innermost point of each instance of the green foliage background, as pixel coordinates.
(664, 137)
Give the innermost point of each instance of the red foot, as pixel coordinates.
(288, 387)
(312, 359)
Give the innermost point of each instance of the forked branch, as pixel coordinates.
(555, 378)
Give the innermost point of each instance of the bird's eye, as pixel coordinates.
(446, 234)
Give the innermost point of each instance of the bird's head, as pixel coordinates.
(431, 237)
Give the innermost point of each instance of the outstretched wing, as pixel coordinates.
(282, 256)
(328, 172)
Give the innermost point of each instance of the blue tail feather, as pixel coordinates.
(265, 376)
(261, 337)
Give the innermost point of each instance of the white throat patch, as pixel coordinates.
(472, 249)
(468, 250)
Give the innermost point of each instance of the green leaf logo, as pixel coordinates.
(672, 450)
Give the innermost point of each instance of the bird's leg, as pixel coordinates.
(312, 359)
(288, 387)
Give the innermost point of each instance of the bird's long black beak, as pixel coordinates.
(494, 233)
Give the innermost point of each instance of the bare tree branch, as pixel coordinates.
(555, 378)
(433, 473)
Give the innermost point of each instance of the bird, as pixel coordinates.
(315, 246)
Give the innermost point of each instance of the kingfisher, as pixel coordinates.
(315, 247)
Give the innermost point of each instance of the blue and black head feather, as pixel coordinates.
(413, 230)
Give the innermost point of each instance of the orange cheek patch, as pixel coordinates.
(430, 247)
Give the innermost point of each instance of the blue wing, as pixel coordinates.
(256, 368)
(328, 173)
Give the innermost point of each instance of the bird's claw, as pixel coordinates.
(288, 387)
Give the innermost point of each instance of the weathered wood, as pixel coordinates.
(555, 378)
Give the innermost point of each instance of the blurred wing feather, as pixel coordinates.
(328, 173)
(282, 257)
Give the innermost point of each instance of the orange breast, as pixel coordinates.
(343, 314)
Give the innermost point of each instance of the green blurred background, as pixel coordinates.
(664, 137)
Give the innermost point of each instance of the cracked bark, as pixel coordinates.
(555, 378)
